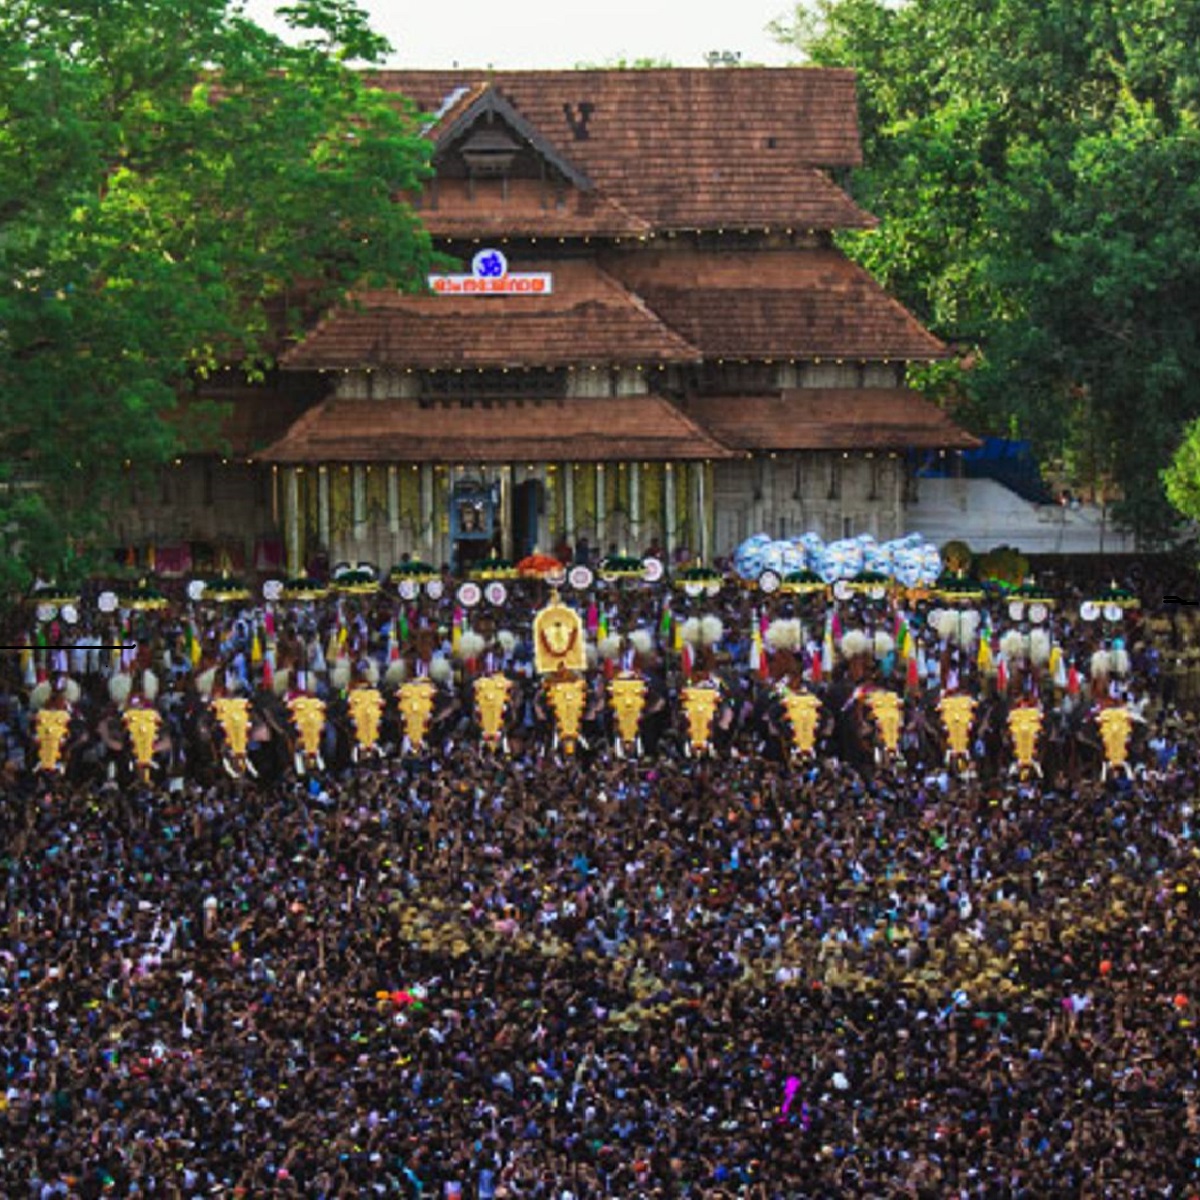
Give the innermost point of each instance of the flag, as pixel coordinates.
(688, 659)
(1058, 667)
(1002, 675)
(593, 618)
(602, 627)
(1072, 681)
(814, 666)
(983, 656)
(664, 623)
(256, 650)
(759, 663)
(912, 676)
(28, 674)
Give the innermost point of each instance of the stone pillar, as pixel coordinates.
(669, 511)
(601, 512)
(568, 474)
(291, 521)
(323, 506)
(505, 514)
(393, 500)
(703, 530)
(635, 508)
(428, 530)
(358, 502)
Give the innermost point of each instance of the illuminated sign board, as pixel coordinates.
(490, 276)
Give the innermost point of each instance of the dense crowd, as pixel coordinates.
(466, 973)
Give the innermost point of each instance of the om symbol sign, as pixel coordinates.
(489, 264)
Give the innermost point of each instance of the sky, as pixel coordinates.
(511, 34)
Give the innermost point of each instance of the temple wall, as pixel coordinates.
(829, 493)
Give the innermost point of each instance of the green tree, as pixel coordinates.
(1182, 477)
(1035, 171)
(177, 186)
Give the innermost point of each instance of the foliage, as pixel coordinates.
(177, 187)
(1182, 477)
(957, 556)
(1003, 564)
(1036, 169)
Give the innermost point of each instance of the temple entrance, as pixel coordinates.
(473, 528)
(527, 507)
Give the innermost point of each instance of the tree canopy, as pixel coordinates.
(176, 184)
(1036, 169)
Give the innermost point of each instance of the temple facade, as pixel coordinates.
(648, 340)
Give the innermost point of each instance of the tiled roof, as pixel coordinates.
(523, 208)
(683, 148)
(619, 428)
(253, 417)
(830, 419)
(589, 318)
(781, 304)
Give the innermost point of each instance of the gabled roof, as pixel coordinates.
(830, 419)
(774, 304)
(608, 429)
(486, 103)
(680, 148)
(589, 318)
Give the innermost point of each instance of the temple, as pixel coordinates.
(647, 339)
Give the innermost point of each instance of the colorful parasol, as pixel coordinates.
(694, 580)
(802, 583)
(415, 571)
(622, 566)
(488, 569)
(225, 590)
(956, 588)
(142, 598)
(1118, 596)
(540, 566)
(356, 581)
(304, 588)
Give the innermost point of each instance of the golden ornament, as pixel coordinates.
(627, 697)
(886, 709)
(803, 711)
(50, 729)
(308, 715)
(566, 696)
(700, 706)
(558, 643)
(491, 696)
(143, 725)
(416, 709)
(366, 708)
(233, 714)
(957, 714)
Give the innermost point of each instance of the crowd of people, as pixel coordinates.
(471, 972)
